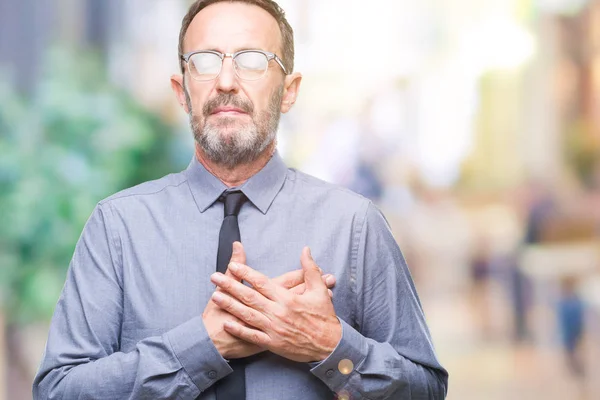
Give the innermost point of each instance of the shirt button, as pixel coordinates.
(329, 373)
(212, 374)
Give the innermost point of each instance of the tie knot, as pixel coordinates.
(233, 202)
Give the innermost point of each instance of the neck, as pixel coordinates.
(239, 174)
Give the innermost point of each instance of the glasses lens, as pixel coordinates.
(205, 66)
(251, 65)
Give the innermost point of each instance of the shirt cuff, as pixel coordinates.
(197, 353)
(342, 363)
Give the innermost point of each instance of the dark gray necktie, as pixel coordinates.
(233, 386)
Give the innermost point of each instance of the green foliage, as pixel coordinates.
(76, 141)
(582, 149)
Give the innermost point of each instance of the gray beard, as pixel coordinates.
(239, 147)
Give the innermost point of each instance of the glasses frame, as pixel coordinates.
(270, 56)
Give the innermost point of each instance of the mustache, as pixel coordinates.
(227, 99)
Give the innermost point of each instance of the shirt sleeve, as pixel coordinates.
(82, 358)
(387, 353)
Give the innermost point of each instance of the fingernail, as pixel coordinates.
(218, 296)
(217, 277)
(330, 280)
(309, 252)
(229, 324)
(236, 248)
(234, 267)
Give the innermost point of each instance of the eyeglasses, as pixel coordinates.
(249, 65)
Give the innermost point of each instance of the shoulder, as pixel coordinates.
(334, 197)
(319, 186)
(147, 190)
(339, 199)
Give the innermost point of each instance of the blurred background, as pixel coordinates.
(474, 125)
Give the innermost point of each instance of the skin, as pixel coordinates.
(230, 27)
(215, 318)
(301, 327)
(291, 315)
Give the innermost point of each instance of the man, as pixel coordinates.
(139, 316)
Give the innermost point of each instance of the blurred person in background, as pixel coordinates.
(539, 206)
(139, 316)
(481, 271)
(570, 316)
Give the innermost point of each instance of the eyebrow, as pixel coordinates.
(236, 51)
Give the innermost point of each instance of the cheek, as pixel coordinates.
(198, 97)
(260, 92)
(261, 99)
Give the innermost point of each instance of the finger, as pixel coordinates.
(238, 254)
(290, 279)
(328, 279)
(241, 292)
(244, 313)
(330, 293)
(250, 335)
(259, 282)
(312, 276)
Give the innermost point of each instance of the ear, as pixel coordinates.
(291, 88)
(179, 90)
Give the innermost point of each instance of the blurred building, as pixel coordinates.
(124, 32)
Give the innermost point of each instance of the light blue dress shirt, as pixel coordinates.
(128, 323)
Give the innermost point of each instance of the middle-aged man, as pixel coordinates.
(153, 308)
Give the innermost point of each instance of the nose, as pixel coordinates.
(227, 81)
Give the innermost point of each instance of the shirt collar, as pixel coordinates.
(261, 189)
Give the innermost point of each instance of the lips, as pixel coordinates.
(228, 104)
(227, 110)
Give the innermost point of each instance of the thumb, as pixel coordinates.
(312, 273)
(238, 255)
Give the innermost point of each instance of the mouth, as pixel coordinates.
(228, 111)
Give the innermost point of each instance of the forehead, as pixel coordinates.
(233, 26)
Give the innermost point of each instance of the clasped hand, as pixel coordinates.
(299, 325)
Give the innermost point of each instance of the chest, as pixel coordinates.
(166, 267)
